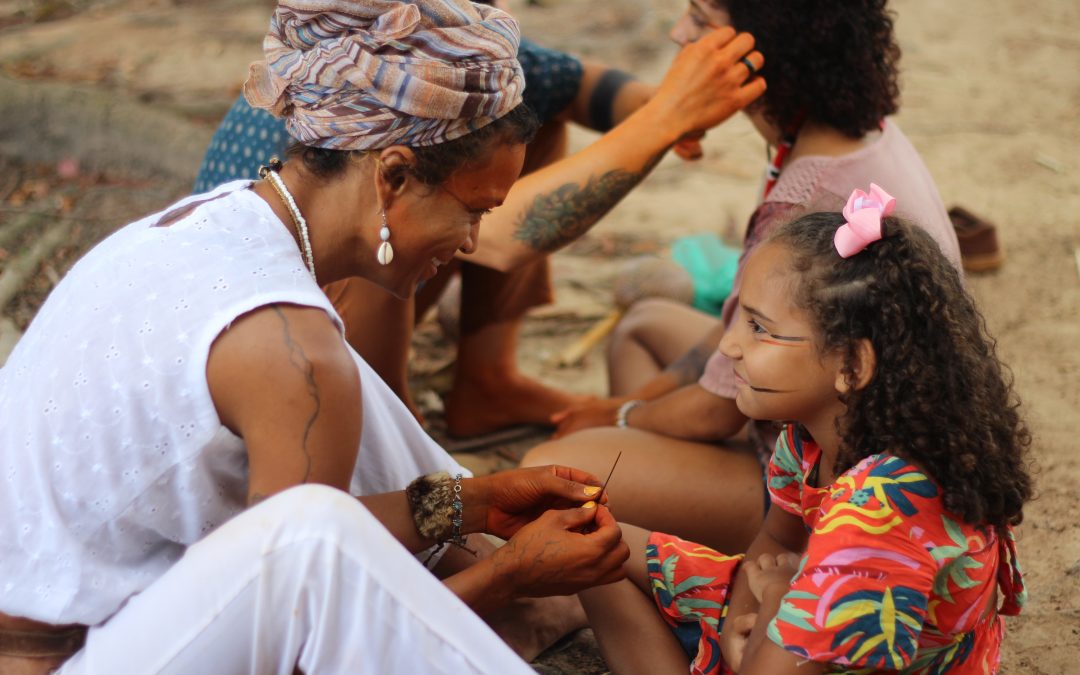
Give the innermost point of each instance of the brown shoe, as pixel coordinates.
(979, 247)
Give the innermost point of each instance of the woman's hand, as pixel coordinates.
(689, 146)
(553, 555)
(595, 413)
(515, 498)
(771, 572)
(707, 83)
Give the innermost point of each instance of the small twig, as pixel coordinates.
(572, 355)
(1048, 162)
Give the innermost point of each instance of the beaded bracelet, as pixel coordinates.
(457, 505)
(623, 413)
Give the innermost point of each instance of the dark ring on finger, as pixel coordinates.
(749, 66)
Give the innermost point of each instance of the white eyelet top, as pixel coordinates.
(112, 457)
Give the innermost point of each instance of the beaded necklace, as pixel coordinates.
(270, 173)
(787, 140)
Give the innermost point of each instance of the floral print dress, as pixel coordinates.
(890, 579)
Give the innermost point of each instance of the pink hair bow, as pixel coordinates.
(863, 213)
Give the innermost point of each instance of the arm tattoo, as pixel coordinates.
(564, 214)
(689, 367)
(299, 360)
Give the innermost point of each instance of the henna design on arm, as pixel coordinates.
(299, 360)
(559, 217)
(688, 368)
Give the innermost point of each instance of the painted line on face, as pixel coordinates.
(763, 390)
(782, 341)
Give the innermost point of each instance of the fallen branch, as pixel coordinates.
(573, 355)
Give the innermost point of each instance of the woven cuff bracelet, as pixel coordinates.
(435, 500)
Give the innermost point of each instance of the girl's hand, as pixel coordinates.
(515, 498)
(596, 413)
(771, 572)
(552, 556)
(734, 638)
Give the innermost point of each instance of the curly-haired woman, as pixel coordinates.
(901, 469)
(832, 73)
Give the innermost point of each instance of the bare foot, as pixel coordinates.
(478, 405)
(531, 625)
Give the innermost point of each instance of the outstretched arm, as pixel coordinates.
(691, 412)
(606, 97)
(553, 206)
(674, 403)
(281, 379)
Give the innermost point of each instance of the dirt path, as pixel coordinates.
(991, 91)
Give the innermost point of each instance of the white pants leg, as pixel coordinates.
(307, 578)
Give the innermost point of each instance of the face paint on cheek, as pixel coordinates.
(777, 341)
(780, 341)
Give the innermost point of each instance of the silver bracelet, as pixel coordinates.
(624, 411)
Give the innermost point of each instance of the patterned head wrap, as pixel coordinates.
(365, 75)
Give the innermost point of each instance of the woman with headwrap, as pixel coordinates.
(557, 199)
(200, 475)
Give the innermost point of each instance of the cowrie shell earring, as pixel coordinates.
(386, 251)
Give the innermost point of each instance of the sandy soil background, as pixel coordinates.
(107, 105)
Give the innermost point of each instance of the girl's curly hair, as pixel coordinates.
(938, 396)
(833, 61)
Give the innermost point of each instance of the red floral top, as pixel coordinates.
(890, 579)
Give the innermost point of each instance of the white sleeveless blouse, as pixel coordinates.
(112, 457)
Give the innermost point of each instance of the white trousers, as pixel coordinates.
(308, 579)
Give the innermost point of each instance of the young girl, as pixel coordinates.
(896, 480)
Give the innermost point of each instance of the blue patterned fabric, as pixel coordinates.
(551, 79)
(247, 137)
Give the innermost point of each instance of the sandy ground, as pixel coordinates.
(131, 90)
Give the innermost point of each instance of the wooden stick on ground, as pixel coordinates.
(572, 355)
(642, 278)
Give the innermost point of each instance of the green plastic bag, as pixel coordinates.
(711, 264)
